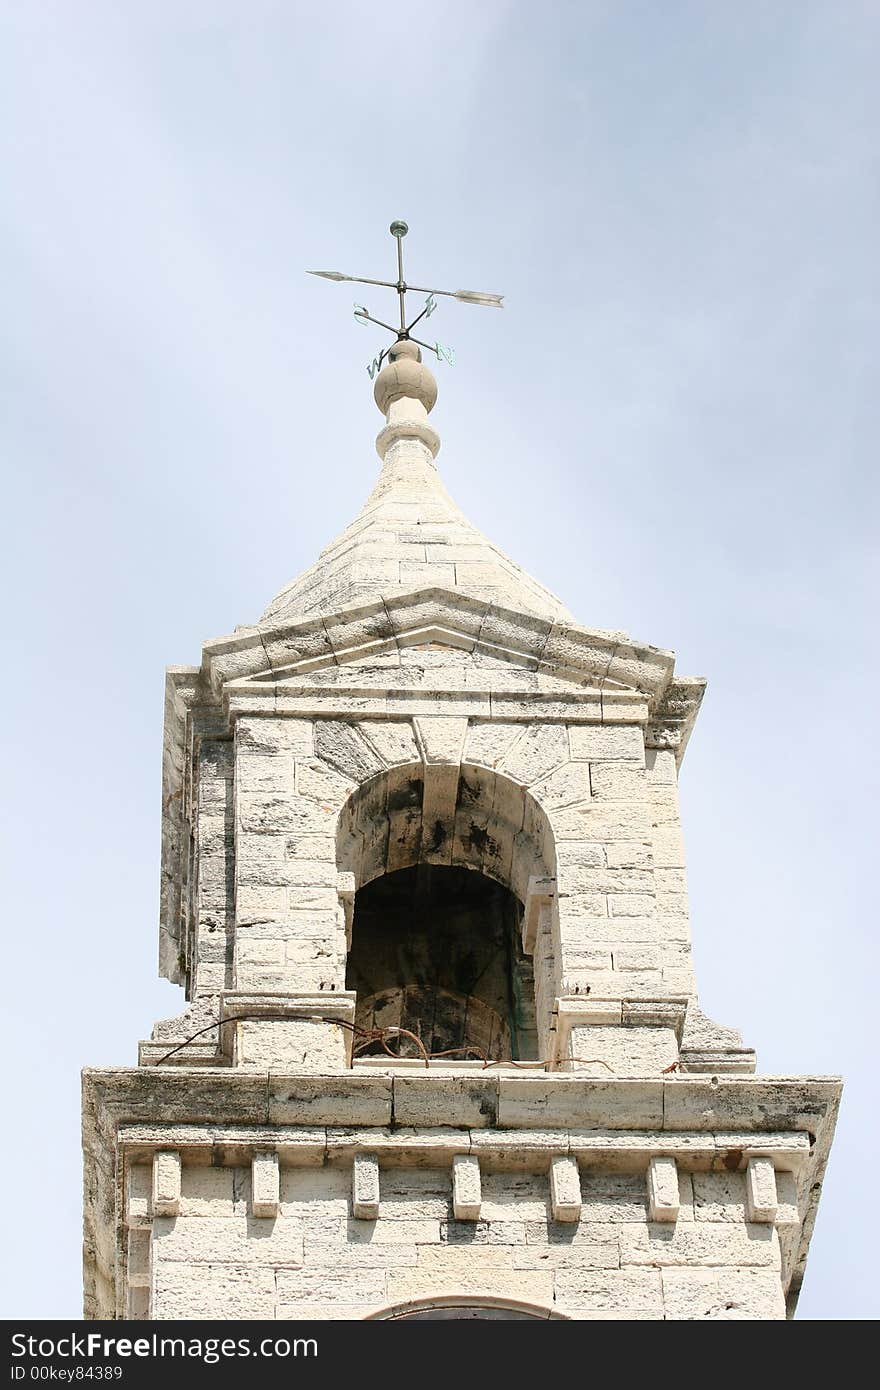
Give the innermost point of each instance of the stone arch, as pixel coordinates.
(483, 1306)
(430, 949)
(453, 814)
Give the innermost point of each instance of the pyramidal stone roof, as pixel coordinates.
(409, 534)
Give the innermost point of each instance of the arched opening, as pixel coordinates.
(480, 1312)
(442, 857)
(436, 951)
(463, 1306)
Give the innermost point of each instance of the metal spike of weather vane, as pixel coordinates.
(398, 231)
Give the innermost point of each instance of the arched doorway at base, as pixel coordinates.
(464, 1307)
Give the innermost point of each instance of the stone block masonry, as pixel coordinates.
(295, 814)
(364, 1240)
(283, 1194)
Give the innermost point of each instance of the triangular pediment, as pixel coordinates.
(440, 629)
(431, 658)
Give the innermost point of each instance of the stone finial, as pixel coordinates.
(405, 376)
(404, 392)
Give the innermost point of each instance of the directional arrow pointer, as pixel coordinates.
(355, 279)
(467, 296)
(493, 301)
(475, 297)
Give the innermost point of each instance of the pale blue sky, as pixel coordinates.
(673, 424)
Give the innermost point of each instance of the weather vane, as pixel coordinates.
(398, 231)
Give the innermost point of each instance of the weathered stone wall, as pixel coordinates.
(513, 800)
(210, 1256)
(289, 930)
(295, 812)
(212, 867)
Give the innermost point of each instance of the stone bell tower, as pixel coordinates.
(424, 884)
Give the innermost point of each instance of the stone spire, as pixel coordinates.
(409, 534)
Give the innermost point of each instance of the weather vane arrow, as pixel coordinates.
(398, 231)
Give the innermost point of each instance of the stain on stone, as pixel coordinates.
(478, 837)
(409, 794)
(438, 835)
(489, 1110)
(469, 793)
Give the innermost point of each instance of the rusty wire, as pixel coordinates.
(381, 1035)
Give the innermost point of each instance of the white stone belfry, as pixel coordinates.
(424, 885)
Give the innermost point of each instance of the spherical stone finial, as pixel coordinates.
(404, 375)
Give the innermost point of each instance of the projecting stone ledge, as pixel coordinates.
(450, 1096)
